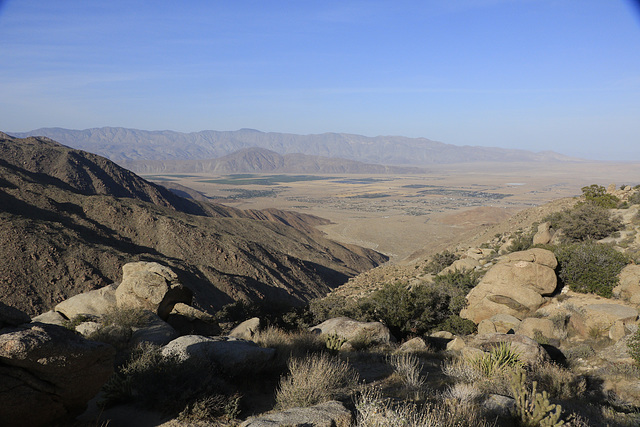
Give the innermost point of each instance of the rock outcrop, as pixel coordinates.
(231, 355)
(516, 285)
(349, 329)
(151, 286)
(48, 373)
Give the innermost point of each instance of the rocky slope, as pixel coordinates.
(69, 220)
(121, 144)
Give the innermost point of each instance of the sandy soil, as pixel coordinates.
(401, 214)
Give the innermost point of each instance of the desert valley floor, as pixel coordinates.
(400, 215)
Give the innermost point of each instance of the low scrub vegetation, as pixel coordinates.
(440, 261)
(315, 379)
(408, 310)
(586, 221)
(590, 267)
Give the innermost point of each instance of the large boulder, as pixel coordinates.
(629, 287)
(11, 316)
(189, 320)
(516, 286)
(48, 372)
(349, 329)
(151, 286)
(544, 235)
(235, 357)
(327, 414)
(247, 329)
(528, 350)
(531, 326)
(461, 265)
(92, 303)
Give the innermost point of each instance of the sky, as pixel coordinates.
(561, 75)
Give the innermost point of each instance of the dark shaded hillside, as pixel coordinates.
(122, 144)
(57, 240)
(258, 160)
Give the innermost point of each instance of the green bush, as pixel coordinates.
(597, 195)
(634, 199)
(440, 261)
(590, 267)
(521, 241)
(634, 347)
(586, 221)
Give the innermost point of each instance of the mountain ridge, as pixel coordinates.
(60, 239)
(123, 144)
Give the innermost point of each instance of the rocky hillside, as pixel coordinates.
(69, 220)
(121, 144)
(258, 160)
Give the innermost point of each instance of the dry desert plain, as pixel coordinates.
(401, 215)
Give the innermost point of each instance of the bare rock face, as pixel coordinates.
(151, 286)
(629, 287)
(327, 414)
(189, 320)
(48, 372)
(515, 286)
(350, 329)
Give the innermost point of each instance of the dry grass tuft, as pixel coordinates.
(313, 380)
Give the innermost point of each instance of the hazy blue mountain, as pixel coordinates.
(121, 144)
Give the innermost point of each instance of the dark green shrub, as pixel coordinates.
(457, 325)
(440, 261)
(521, 242)
(590, 267)
(634, 199)
(586, 221)
(598, 195)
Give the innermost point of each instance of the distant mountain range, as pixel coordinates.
(250, 160)
(125, 145)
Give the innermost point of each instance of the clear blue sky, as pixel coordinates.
(560, 75)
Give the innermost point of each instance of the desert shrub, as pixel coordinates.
(458, 326)
(533, 409)
(634, 199)
(521, 241)
(314, 379)
(597, 195)
(500, 359)
(440, 261)
(408, 368)
(289, 345)
(559, 382)
(590, 267)
(634, 347)
(334, 341)
(117, 324)
(586, 221)
(170, 385)
(331, 306)
(373, 410)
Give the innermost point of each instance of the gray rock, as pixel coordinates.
(151, 286)
(327, 414)
(232, 355)
(157, 332)
(95, 303)
(528, 350)
(189, 320)
(48, 372)
(499, 405)
(51, 317)
(247, 329)
(414, 344)
(350, 329)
